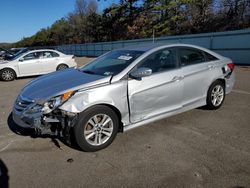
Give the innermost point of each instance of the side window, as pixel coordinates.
(160, 61)
(47, 54)
(210, 57)
(50, 54)
(31, 56)
(189, 56)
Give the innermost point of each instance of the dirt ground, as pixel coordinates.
(199, 148)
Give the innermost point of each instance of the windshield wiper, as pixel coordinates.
(88, 72)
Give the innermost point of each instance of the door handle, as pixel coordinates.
(210, 67)
(177, 78)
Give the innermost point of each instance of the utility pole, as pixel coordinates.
(153, 35)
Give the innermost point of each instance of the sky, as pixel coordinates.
(23, 18)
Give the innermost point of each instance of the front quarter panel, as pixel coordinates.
(11, 65)
(114, 94)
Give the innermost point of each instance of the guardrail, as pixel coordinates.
(232, 44)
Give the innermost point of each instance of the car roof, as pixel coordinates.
(148, 47)
(143, 47)
(41, 50)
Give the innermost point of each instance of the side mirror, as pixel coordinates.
(141, 72)
(21, 59)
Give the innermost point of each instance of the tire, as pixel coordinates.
(89, 130)
(215, 95)
(7, 74)
(61, 67)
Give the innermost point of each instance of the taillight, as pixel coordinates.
(230, 66)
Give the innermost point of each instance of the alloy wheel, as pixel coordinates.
(7, 75)
(98, 129)
(217, 95)
(62, 67)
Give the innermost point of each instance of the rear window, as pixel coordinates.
(210, 57)
(54, 54)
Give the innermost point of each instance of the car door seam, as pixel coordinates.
(171, 81)
(191, 74)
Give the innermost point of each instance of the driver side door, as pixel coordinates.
(48, 61)
(29, 64)
(159, 93)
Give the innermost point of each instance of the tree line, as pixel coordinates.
(134, 19)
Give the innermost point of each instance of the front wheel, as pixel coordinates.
(96, 128)
(216, 95)
(7, 74)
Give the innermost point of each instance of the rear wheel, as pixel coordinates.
(7, 74)
(96, 128)
(62, 67)
(216, 95)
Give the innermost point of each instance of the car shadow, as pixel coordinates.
(4, 177)
(19, 130)
(32, 133)
(28, 77)
(202, 108)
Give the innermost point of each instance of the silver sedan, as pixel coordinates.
(124, 89)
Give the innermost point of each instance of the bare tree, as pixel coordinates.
(92, 7)
(237, 11)
(81, 7)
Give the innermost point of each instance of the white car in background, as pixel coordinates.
(35, 62)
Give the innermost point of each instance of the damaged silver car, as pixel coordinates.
(123, 89)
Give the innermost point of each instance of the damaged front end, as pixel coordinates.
(44, 115)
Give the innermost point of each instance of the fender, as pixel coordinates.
(114, 94)
(15, 69)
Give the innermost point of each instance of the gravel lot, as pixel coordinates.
(198, 148)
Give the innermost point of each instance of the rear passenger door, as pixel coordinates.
(49, 61)
(197, 72)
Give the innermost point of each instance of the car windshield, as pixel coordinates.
(111, 63)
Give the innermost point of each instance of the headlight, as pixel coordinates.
(55, 102)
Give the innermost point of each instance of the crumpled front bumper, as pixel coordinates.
(31, 121)
(26, 113)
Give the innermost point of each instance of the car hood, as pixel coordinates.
(59, 82)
